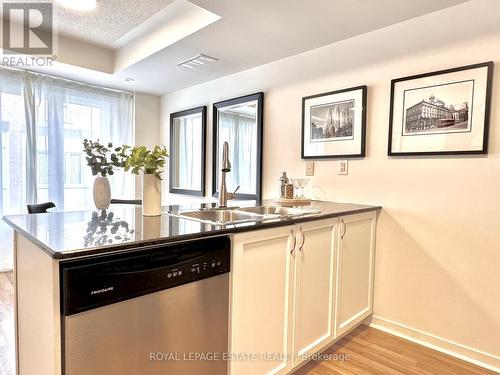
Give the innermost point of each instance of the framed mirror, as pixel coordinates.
(239, 122)
(187, 151)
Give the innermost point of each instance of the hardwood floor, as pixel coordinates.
(370, 351)
(375, 352)
(7, 355)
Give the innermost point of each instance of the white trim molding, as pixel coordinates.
(6, 267)
(465, 353)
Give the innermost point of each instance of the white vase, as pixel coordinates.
(151, 195)
(102, 193)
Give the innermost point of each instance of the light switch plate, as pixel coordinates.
(343, 167)
(309, 168)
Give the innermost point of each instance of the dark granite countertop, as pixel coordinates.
(65, 235)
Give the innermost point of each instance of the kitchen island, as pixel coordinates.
(296, 284)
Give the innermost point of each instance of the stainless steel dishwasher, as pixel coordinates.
(159, 310)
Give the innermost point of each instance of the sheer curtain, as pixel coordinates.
(240, 131)
(188, 135)
(44, 120)
(13, 143)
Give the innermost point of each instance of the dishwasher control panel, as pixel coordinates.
(96, 282)
(205, 266)
(214, 264)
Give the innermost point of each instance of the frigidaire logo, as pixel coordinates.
(28, 28)
(104, 290)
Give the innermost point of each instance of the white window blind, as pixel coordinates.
(43, 121)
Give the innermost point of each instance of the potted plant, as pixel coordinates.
(149, 163)
(102, 161)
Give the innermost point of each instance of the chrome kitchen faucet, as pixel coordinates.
(224, 196)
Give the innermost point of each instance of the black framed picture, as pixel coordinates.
(441, 113)
(334, 124)
(187, 151)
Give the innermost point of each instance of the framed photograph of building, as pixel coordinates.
(334, 124)
(441, 113)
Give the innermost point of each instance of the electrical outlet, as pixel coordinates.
(309, 168)
(343, 167)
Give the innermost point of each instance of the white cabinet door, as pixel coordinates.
(355, 261)
(261, 302)
(314, 287)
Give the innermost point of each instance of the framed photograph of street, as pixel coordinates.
(441, 113)
(334, 124)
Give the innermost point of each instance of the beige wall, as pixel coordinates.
(438, 251)
(147, 119)
(146, 125)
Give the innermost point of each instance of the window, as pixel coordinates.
(64, 114)
(73, 169)
(13, 141)
(43, 169)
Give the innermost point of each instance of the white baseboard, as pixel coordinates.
(477, 357)
(6, 267)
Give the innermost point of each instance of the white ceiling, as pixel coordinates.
(249, 33)
(111, 19)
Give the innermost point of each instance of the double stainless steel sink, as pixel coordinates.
(225, 216)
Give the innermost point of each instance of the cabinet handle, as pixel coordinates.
(303, 239)
(292, 238)
(344, 229)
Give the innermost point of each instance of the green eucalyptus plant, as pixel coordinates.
(102, 159)
(146, 161)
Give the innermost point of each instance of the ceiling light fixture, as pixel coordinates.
(197, 61)
(81, 5)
